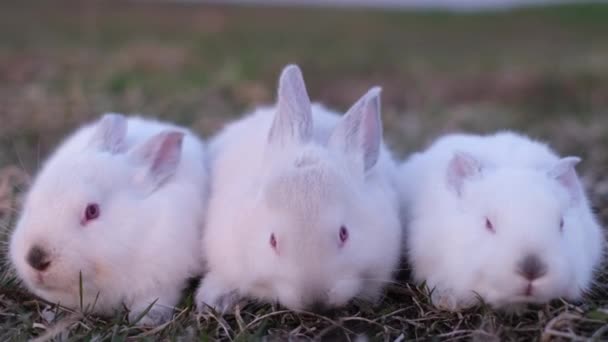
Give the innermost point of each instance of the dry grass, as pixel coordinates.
(542, 71)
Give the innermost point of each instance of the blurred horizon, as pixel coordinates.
(66, 62)
(453, 5)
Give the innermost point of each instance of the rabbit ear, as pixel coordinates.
(462, 167)
(359, 133)
(110, 133)
(293, 118)
(565, 173)
(157, 158)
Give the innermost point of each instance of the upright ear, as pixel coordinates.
(359, 133)
(565, 173)
(157, 159)
(293, 118)
(462, 167)
(110, 133)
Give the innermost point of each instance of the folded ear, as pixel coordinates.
(110, 133)
(565, 173)
(157, 159)
(293, 118)
(359, 133)
(462, 167)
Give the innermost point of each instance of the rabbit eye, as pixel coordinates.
(91, 212)
(343, 234)
(490, 226)
(273, 241)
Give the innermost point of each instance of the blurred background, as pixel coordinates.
(445, 66)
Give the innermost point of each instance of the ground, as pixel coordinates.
(543, 71)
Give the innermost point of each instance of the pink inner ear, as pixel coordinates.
(168, 152)
(157, 159)
(565, 174)
(359, 132)
(293, 117)
(371, 130)
(462, 167)
(110, 133)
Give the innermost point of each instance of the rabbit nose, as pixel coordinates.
(531, 267)
(38, 258)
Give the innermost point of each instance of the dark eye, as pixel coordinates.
(561, 224)
(91, 212)
(273, 241)
(490, 226)
(343, 234)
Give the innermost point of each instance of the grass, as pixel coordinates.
(541, 70)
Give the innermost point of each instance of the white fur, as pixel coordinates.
(145, 243)
(511, 180)
(286, 171)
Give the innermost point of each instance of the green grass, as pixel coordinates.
(540, 70)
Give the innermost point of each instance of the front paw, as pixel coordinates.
(212, 295)
(447, 300)
(222, 304)
(154, 317)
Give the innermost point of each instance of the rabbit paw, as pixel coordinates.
(447, 300)
(154, 317)
(211, 294)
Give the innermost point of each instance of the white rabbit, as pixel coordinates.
(499, 217)
(120, 205)
(303, 208)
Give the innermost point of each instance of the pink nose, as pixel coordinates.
(531, 267)
(38, 258)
